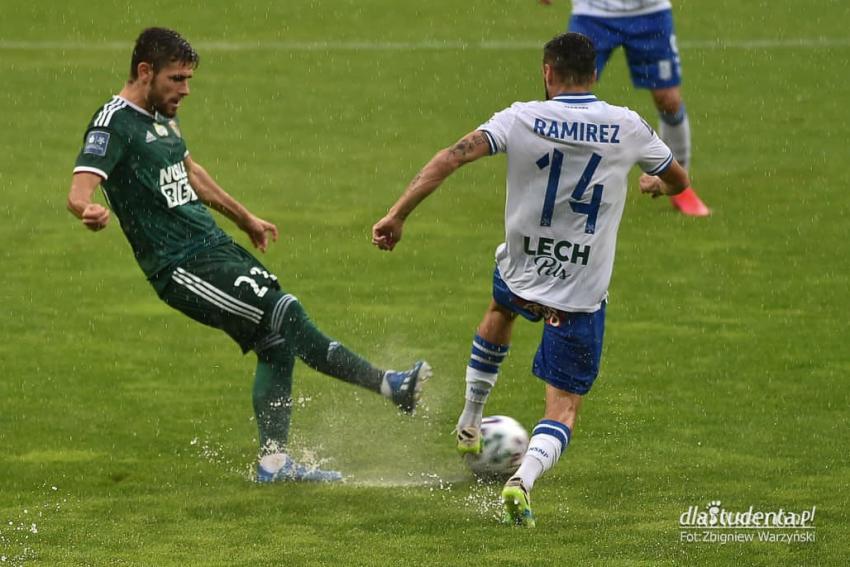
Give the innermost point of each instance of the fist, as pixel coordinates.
(651, 184)
(95, 216)
(387, 232)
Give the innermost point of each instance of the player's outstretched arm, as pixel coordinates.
(214, 196)
(386, 233)
(671, 181)
(94, 215)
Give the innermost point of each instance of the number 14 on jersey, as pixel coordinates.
(555, 162)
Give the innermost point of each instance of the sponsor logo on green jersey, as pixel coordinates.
(174, 184)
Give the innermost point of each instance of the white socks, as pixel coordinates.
(675, 130)
(274, 462)
(481, 375)
(549, 440)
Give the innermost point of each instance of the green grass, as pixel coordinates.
(725, 368)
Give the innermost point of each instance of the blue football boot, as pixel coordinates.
(406, 386)
(281, 468)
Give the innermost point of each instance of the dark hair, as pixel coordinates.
(159, 47)
(572, 57)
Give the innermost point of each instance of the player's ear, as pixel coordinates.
(547, 73)
(145, 72)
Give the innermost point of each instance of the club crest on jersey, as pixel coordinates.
(175, 128)
(550, 256)
(149, 137)
(160, 129)
(174, 185)
(96, 143)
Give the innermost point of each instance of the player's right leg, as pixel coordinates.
(272, 397)
(549, 440)
(568, 361)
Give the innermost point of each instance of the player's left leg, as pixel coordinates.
(334, 359)
(568, 361)
(490, 347)
(674, 126)
(675, 130)
(654, 64)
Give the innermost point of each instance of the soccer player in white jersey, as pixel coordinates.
(644, 28)
(568, 161)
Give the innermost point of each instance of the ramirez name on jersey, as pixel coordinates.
(578, 131)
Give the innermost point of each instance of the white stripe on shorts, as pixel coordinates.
(218, 297)
(236, 302)
(280, 310)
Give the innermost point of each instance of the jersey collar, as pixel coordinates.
(135, 107)
(576, 98)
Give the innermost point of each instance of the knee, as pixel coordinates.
(667, 101)
(497, 324)
(278, 354)
(499, 313)
(285, 314)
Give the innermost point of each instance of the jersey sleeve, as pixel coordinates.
(496, 129)
(102, 149)
(654, 156)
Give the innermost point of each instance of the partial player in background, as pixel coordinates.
(644, 28)
(568, 163)
(134, 148)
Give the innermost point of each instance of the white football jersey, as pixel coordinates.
(618, 8)
(568, 162)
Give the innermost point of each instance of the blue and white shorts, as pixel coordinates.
(649, 41)
(571, 347)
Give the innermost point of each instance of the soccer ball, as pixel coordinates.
(504, 444)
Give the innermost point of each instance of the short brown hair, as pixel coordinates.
(159, 47)
(572, 58)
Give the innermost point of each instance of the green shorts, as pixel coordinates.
(227, 288)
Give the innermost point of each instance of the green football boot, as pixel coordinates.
(517, 503)
(469, 440)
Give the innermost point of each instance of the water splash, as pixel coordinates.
(19, 536)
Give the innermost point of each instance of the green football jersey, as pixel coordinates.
(140, 158)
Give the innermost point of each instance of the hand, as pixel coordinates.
(387, 232)
(95, 216)
(652, 185)
(257, 229)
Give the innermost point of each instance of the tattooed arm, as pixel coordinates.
(387, 232)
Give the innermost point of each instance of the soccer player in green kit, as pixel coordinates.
(134, 149)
